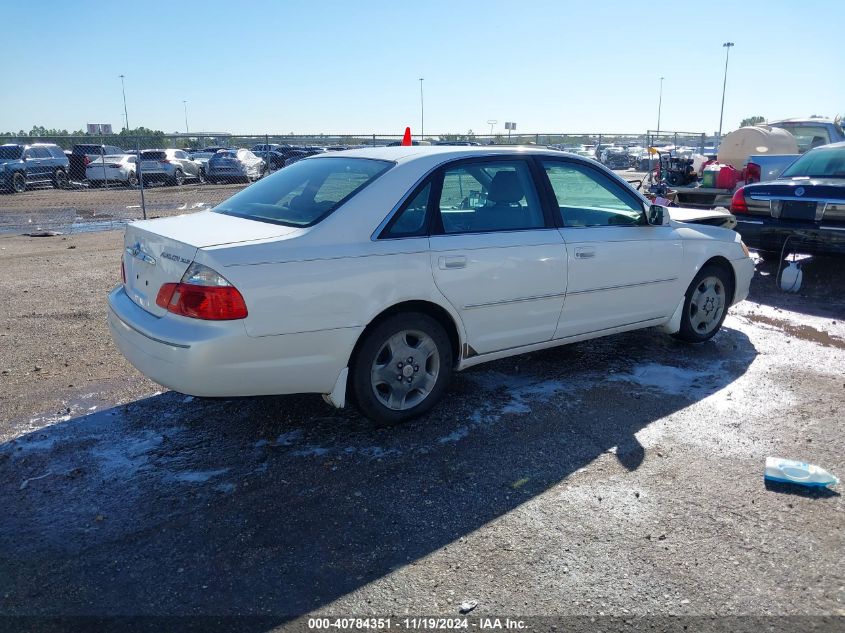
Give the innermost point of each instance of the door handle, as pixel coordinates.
(455, 261)
(585, 252)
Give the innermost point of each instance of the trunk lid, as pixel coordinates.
(157, 252)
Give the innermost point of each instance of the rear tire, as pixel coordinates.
(401, 368)
(132, 179)
(705, 304)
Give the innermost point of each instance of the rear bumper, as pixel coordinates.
(770, 234)
(219, 359)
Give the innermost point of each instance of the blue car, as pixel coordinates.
(39, 164)
(803, 210)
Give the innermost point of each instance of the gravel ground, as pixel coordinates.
(618, 477)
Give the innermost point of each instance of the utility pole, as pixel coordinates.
(422, 111)
(187, 130)
(125, 113)
(727, 46)
(659, 105)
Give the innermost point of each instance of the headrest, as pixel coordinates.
(505, 188)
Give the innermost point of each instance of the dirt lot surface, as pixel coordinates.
(618, 477)
(82, 209)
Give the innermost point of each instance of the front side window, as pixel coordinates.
(489, 196)
(586, 197)
(305, 192)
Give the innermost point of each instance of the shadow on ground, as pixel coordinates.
(277, 506)
(822, 291)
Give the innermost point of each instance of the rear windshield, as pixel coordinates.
(819, 163)
(11, 151)
(305, 192)
(153, 155)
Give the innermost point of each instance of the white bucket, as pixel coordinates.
(791, 277)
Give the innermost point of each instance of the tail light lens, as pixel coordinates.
(752, 173)
(164, 162)
(86, 160)
(202, 294)
(738, 204)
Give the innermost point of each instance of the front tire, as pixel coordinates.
(60, 180)
(705, 304)
(178, 178)
(18, 182)
(401, 368)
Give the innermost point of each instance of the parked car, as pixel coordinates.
(112, 170)
(812, 133)
(84, 153)
(801, 211)
(170, 166)
(234, 166)
(380, 271)
(616, 158)
(39, 164)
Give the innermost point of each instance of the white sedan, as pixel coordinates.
(373, 274)
(112, 170)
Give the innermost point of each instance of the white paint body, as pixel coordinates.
(311, 292)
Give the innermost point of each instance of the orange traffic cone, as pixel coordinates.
(406, 140)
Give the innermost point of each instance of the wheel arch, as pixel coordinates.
(721, 262)
(435, 311)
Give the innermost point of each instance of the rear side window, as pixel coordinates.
(153, 155)
(10, 151)
(489, 196)
(304, 193)
(412, 220)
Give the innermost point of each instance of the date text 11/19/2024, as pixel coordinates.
(418, 623)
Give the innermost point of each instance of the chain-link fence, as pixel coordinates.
(94, 182)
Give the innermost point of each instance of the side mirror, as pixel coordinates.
(658, 216)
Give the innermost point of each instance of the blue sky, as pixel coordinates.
(308, 66)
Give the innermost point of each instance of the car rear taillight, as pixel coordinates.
(202, 293)
(164, 162)
(86, 160)
(752, 173)
(738, 204)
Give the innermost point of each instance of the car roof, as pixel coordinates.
(405, 154)
(802, 120)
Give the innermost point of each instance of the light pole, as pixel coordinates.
(125, 113)
(187, 130)
(422, 111)
(727, 46)
(659, 105)
(491, 123)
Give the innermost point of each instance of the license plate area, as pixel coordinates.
(794, 210)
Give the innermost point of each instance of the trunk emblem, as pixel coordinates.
(799, 191)
(137, 252)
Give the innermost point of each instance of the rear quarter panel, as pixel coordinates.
(292, 287)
